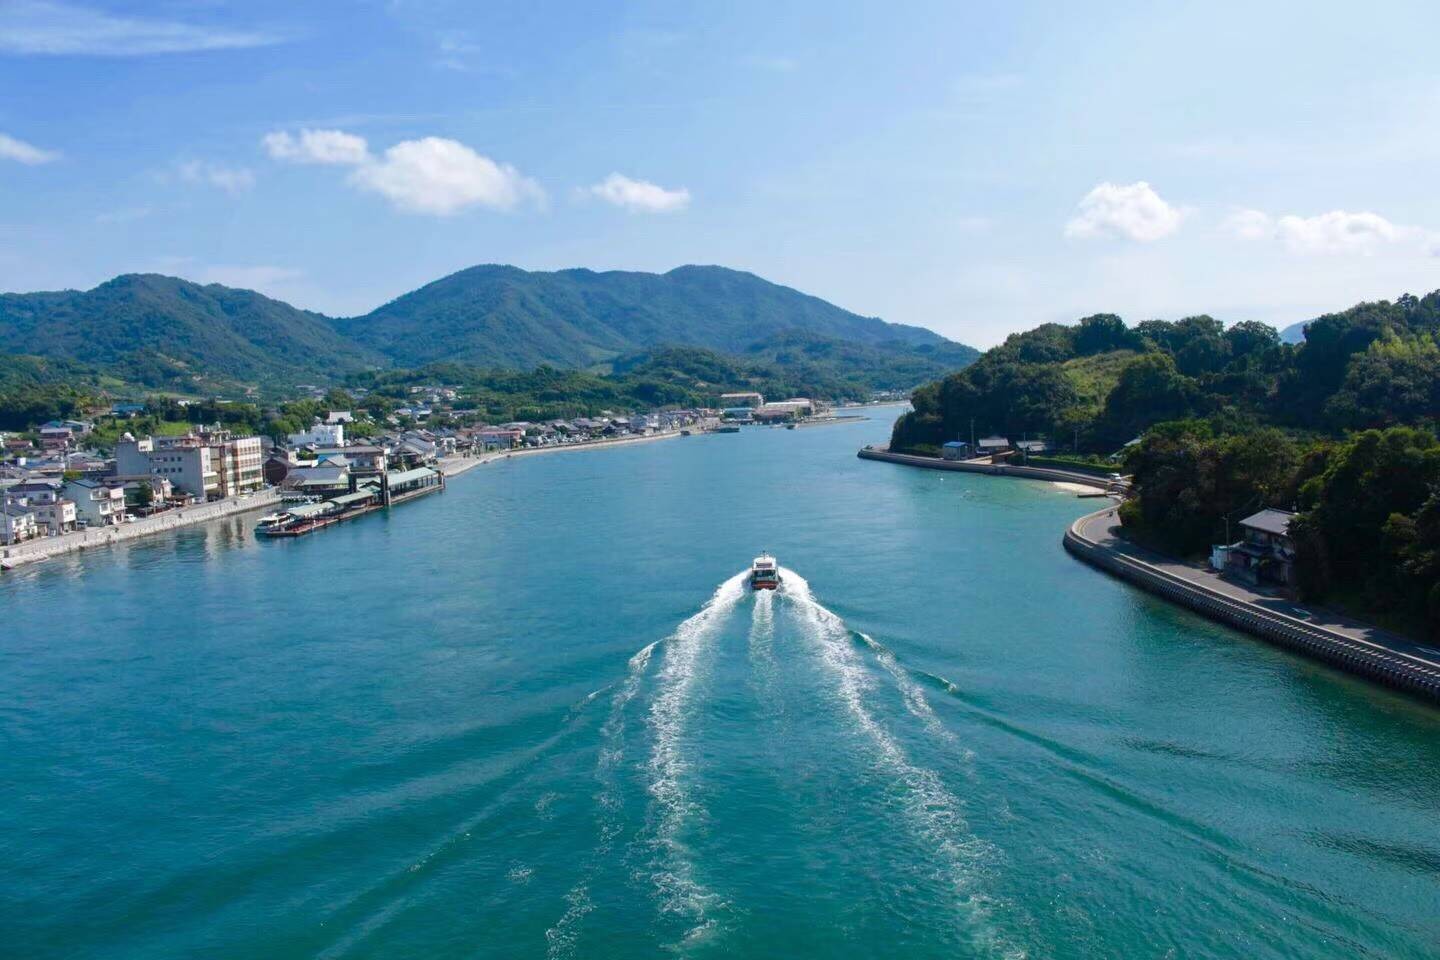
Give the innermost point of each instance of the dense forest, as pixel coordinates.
(1215, 422)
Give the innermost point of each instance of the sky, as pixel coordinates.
(976, 168)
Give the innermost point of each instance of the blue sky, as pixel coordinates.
(976, 168)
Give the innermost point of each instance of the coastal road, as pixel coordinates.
(1103, 529)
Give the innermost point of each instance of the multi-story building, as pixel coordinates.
(240, 465)
(187, 462)
(96, 503)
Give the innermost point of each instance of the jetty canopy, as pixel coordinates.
(410, 476)
(306, 511)
(351, 499)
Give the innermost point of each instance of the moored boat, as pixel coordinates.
(764, 573)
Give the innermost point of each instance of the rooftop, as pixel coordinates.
(1270, 520)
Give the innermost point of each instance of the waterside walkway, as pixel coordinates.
(1339, 641)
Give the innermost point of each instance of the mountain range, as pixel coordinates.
(164, 331)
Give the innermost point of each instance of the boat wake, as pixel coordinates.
(680, 891)
(934, 813)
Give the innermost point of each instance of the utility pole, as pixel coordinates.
(972, 436)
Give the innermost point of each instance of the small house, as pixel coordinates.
(1266, 553)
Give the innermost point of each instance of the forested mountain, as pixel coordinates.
(158, 330)
(502, 316)
(163, 332)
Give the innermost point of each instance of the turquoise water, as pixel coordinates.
(537, 716)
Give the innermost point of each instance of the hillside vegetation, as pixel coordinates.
(1340, 426)
(503, 316)
(170, 334)
(161, 330)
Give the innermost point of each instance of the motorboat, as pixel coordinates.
(764, 573)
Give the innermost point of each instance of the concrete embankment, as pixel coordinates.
(993, 469)
(453, 466)
(1347, 644)
(1389, 659)
(33, 551)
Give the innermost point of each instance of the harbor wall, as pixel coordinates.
(993, 469)
(1347, 653)
(44, 548)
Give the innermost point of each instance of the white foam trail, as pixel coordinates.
(676, 885)
(561, 937)
(934, 813)
(916, 703)
(762, 637)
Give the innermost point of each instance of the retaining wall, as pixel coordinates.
(994, 469)
(1347, 653)
(45, 547)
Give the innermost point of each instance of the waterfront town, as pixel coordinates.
(64, 478)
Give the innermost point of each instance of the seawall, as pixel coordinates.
(33, 551)
(1392, 667)
(994, 469)
(453, 466)
(1364, 651)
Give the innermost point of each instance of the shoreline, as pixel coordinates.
(456, 465)
(1053, 474)
(1357, 648)
(44, 548)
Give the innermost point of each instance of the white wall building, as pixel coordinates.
(98, 504)
(320, 435)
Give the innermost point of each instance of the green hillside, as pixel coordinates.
(163, 331)
(502, 316)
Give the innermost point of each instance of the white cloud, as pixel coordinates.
(1133, 211)
(26, 153)
(442, 177)
(432, 175)
(1335, 232)
(229, 179)
(640, 196)
(45, 27)
(317, 146)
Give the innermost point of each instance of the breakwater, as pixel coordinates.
(993, 469)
